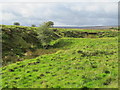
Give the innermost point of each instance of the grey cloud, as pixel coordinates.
(63, 13)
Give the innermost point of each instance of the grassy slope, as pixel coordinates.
(84, 62)
(19, 42)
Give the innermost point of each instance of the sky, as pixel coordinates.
(61, 12)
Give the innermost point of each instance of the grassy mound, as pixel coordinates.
(84, 62)
(16, 40)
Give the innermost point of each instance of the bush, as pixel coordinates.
(46, 35)
(49, 24)
(17, 23)
(33, 25)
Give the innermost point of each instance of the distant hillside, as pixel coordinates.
(88, 27)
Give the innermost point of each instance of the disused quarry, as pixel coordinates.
(20, 42)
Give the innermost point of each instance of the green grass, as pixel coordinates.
(88, 33)
(18, 40)
(80, 62)
(84, 30)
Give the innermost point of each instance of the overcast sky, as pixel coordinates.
(81, 13)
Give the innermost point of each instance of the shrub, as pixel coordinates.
(17, 23)
(46, 35)
(33, 25)
(49, 24)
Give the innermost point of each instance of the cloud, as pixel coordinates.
(82, 13)
(59, 1)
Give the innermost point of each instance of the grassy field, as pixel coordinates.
(76, 63)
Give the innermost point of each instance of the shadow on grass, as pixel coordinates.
(30, 54)
(62, 44)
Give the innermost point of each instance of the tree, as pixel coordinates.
(50, 23)
(17, 23)
(33, 25)
(46, 35)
